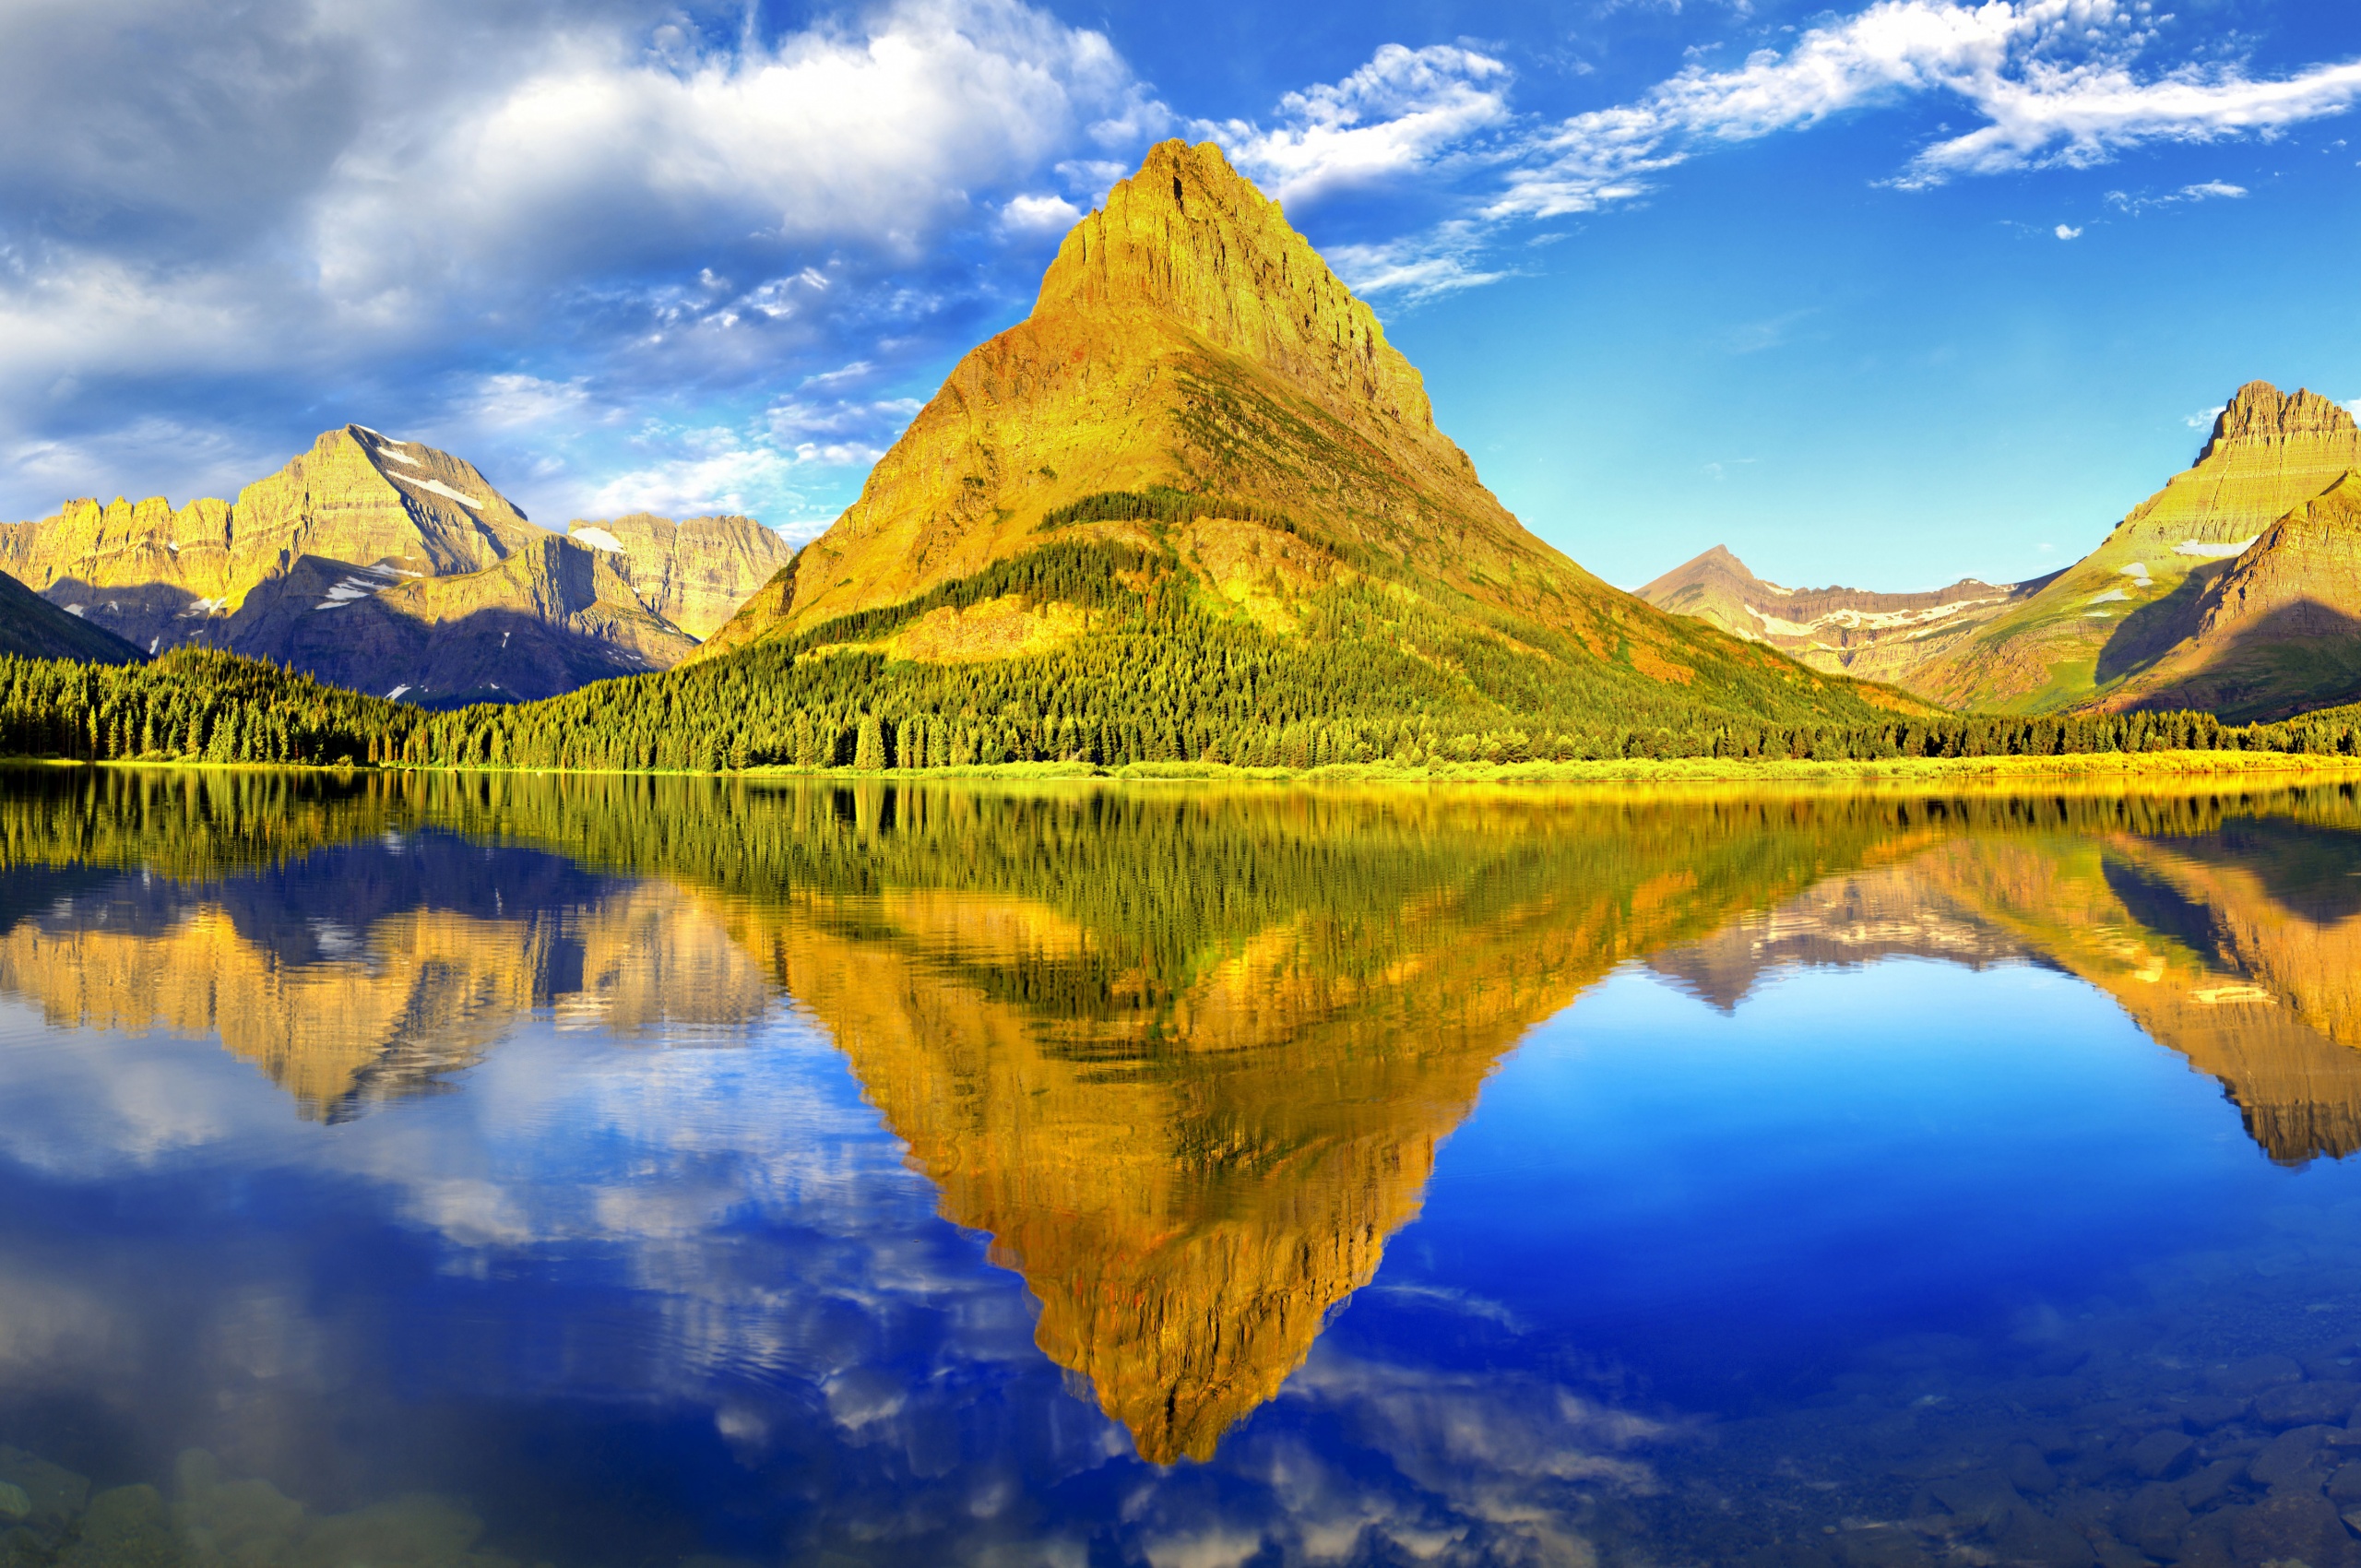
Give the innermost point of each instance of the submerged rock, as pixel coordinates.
(126, 1527)
(54, 1493)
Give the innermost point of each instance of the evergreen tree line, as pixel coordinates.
(1167, 673)
(1160, 503)
(768, 709)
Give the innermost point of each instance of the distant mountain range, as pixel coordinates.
(1881, 637)
(2237, 589)
(391, 567)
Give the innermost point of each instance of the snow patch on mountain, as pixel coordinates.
(439, 488)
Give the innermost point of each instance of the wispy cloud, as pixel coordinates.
(2055, 83)
(1404, 109)
(2208, 190)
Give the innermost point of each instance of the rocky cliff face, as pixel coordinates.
(2088, 637)
(1190, 349)
(694, 573)
(1878, 636)
(390, 567)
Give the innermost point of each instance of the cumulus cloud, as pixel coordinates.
(536, 226)
(1038, 214)
(2065, 232)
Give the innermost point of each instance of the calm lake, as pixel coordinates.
(431, 1172)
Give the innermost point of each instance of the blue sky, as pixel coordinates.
(1883, 294)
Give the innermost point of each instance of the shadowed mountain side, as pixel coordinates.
(554, 616)
(31, 627)
(2281, 661)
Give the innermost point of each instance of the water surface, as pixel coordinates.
(605, 1172)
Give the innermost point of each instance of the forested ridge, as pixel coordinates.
(1163, 674)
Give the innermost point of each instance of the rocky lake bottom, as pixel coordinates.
(472, 1173)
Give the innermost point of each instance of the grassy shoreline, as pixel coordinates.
(2085, 767)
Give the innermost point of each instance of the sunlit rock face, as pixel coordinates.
(694, 573)
(2092, 631)
(392, 568)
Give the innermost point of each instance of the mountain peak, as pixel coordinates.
(2259, 412)
(1191, 238)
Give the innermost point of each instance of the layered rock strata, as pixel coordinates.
(1878, 636)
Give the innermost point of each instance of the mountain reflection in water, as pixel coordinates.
(1185, 1055)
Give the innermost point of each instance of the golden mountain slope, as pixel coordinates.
(1190, 349)
(2131, 601)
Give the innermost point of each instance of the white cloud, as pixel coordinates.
(1401, 111)
(1039, 215)
(2207, 190)
(1439, 262)
(874, 136)
(2053, 82)
(2064, 232)
(510, 400)
(528, 232)
(783, 470)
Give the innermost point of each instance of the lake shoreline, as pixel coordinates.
(2081, 768)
